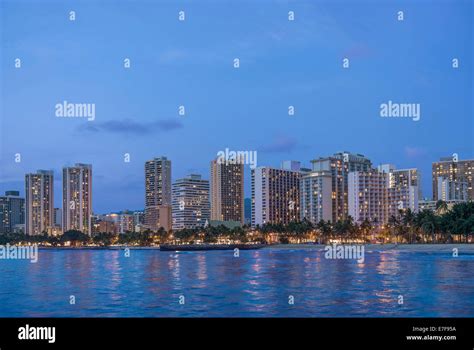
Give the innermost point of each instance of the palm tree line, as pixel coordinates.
(441, 226)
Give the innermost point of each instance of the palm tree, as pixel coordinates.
(340, 229)
(365, 228)
(458, 221)
(441, 207)
(325, 229)
(162, 235)
(408, 220)
(394, 226)
(427, 222)
(74, 237)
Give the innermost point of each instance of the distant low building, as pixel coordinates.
(428, 204)
(108, 227)
(55, 230)
(229, 224)
(138, 218)
(126, 223)
(12, 212)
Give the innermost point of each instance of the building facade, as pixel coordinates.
(227, 191)
(58, 217)
(77, 198)
(404, 188)
(340, 165)
(12, 212)
(157, 190)
(368, 197)
(275, 195)
(126, 223)
(138, 220)
(191, 207)
(452, 189)
(39, 205)
(316, 196)
(454, 170)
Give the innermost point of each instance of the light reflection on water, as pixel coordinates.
(215, 283)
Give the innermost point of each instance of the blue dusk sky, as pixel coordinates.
(190, 63)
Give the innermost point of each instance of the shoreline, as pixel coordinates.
(443, 247)
(428, 247)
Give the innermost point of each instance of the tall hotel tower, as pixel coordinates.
(404, 188)
(456, 171)
(39, 202)
(316, 196)
(227, 191)
(339, 166)
(191, 207)
(158, 193)
(276, 194)
(380, 193)
(368, 197)
(77, 198)
(12, 212)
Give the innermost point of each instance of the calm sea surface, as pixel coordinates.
(259, 283)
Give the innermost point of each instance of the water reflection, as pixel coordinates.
(257, 283)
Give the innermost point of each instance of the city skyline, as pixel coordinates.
(410, 177)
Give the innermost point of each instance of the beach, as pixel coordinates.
(462, 247)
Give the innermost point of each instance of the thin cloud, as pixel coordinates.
(359, 50)
(280, 145)
(173, 55)
(128, 126)
(414, 152)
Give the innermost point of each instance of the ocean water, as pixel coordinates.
(260, 283)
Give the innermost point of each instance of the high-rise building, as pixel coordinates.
(368, 197)
(378, 194)
(106, 226)
(12, 211)
(77, 198)
(292, 165)
(157, 189)
(227, 191)
(339, 165)
(315, 196)
(248, 211)
(165, 219)
(454, 170)
(404, 188)
(275, 195)
(452, 190)
(138, 220)
(126, 223)
(58, 217)
(191, 207)
(123, 222)
(39, 191)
